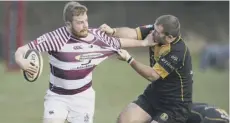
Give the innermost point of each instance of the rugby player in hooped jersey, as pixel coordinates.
(74, 51)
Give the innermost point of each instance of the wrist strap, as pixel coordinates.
(130, 60)
(114, 31)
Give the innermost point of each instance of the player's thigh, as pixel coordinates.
(55, 109)
(133, 114)
(81, 115)
(82, 107)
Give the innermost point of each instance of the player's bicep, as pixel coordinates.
(167, 64)
(113, 42)
(126, 32)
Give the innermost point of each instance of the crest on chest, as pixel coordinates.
(160, 50)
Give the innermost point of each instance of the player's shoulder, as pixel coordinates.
(58, 33)
(94, 30)
(61, 31)
(178, 45)
(97, 32)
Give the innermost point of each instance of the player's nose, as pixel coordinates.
(86, 25)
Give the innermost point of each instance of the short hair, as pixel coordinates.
(170, 24)
(73, 9)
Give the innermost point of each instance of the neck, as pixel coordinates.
(171, 40)
(70, 32)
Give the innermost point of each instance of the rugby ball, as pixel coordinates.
(36, 59)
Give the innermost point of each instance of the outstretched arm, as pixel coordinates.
(125, 32)
(161, 69)
(128, 42)
(145, 71)
(118, 43)
(138, 33)
(131, 37)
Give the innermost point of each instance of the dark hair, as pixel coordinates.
(73, 9)
(170, 24)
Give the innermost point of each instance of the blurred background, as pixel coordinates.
(205, 29)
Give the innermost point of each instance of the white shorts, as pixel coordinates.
(78, 108)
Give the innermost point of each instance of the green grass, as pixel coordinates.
(116, 85)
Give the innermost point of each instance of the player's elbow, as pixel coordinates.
(20, 52)
(153, 76)
(17, 54)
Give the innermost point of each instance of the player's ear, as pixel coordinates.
(170, 36)
(68, 24)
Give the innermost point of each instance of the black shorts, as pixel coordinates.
(173, 113)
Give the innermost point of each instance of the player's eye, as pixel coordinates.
(155, 33)
(79, 22)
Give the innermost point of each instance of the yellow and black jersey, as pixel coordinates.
(173, 63)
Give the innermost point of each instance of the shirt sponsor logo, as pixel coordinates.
(40, 40)
(88, 56)
(167, 63)
(82, 67)
(175, 58)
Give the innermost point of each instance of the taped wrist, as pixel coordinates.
(130, 60)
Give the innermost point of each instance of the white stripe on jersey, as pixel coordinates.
(70, 84)
(109, 40)
(84, 48)
(73, 65)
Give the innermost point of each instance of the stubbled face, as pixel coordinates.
(79, 26)
(158, 34)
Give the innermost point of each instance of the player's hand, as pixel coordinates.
(149, 41)
(123, 55)
(107, 29)
(28, 66)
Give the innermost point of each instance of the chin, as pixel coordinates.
(84, 35)
(81, 35)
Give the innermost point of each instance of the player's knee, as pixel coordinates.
(133, 114)
(124, 119)
(128, 117)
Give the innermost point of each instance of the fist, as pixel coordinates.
(149, 40)
(123, 55)
(28, 66)
(107, 29)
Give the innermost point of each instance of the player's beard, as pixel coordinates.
(82, 34)
(160, 40)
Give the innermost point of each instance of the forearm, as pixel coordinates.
(125, 32)
(144, 70)
(125, 42)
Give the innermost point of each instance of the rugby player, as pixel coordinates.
(205, 113)
(74, 51)
(168, 98)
